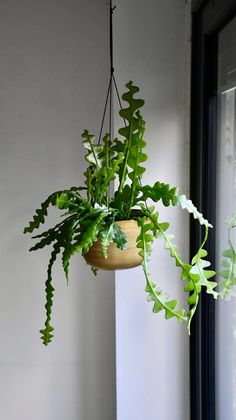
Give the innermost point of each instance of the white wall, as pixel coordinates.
(53, 78)
(152, 49)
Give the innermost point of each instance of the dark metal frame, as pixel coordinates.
(209, 17)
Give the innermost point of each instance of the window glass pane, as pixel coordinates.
(226, 238)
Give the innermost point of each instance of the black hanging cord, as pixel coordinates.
(117, 93)
(110, 113)
(112, 81)
(104, 111)
(111, 37)
(109, 95)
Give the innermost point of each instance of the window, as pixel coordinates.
(212, 357)
(226, 207)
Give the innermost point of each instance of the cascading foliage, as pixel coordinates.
(90, 212)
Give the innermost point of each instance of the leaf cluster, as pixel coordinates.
(90, 212)
(195, 274)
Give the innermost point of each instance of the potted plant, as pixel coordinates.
(114, 231)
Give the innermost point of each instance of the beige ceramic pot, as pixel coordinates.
(117, 259)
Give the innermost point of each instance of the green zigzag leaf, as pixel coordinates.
(136, 157)
(132, 118)
(189, 206)
(84, 240)
(47, 331)
(112, 233)
(159, 191)
(161, 300)
(195, 274)
(199, 267)
(93, 150)
(192, 287)
(228, 271)
(41, 213)
(67, 237)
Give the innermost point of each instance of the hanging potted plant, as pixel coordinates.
(115, 231)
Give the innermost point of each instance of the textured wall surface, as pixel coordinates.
(152, 49)
(50, 90)
(53, 80)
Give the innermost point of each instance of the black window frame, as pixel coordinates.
(208, 18)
